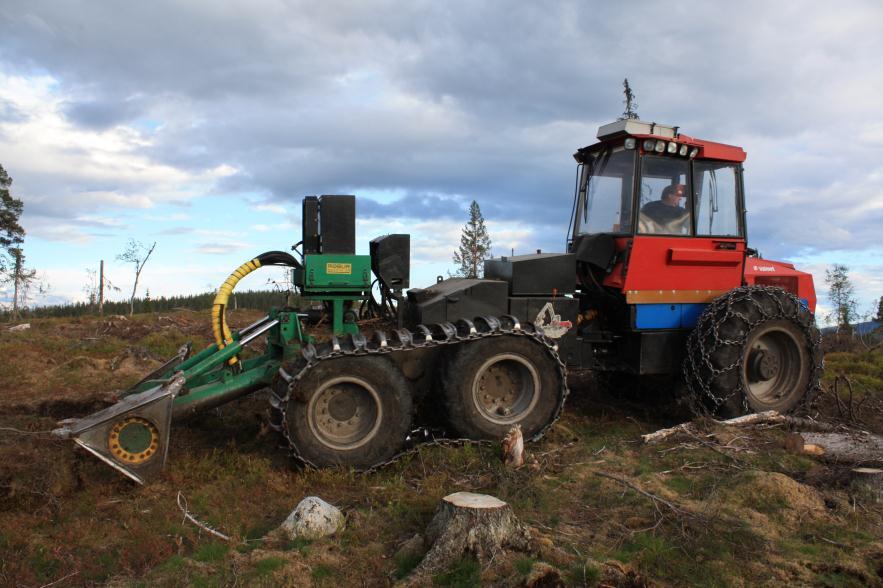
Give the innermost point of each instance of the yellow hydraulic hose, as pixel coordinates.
(223, 336)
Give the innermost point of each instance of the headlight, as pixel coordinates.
(630, 143)
(683, 150)
(672, 148)
(649, 144)
(660, 146)
(694, 152)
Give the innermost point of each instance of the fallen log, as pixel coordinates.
(848, 447)
(757, 418)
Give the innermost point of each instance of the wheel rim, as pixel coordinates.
(774, 366)
(345, 413)
(506, 388)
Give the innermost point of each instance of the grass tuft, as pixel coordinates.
(466, 573)
(211, 552)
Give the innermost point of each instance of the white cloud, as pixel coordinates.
(221, 247)
(54, 163)
(274, 208)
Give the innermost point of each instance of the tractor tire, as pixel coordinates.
(351, 411)
(755, 348)
(490, 385)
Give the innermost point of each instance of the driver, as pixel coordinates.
(667, 211)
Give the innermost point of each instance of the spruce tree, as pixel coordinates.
(842, 297)
(475, 245)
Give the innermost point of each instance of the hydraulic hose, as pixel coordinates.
(220, 329)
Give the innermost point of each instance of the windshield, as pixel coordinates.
(663, 193)
(606, 192)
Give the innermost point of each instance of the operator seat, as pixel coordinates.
(647, 225)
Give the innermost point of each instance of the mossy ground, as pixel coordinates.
(751, 514)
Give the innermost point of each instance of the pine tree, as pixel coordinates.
(23, 278)
(842, 298)
(475, 245)
(879, 317)
(12, 235)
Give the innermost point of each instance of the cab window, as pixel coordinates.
(664, 207)
(716, 199)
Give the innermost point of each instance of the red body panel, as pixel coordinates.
(783, 275)
(677, 269)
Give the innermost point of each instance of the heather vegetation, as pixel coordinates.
(746, 511)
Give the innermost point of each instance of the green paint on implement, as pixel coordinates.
(135, 437)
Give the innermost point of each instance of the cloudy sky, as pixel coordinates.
(200, 125)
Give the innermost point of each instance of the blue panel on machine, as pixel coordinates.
(667, 316)
(657, 316)
(690, 314)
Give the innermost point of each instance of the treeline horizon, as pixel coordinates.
(253, 299)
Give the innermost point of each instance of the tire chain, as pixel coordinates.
(720, 311)
(446, 334)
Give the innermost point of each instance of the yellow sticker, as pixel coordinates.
(339, 268)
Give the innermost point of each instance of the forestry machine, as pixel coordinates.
(657, 280)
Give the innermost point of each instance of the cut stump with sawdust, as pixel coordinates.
(467, 523)
(867, 483)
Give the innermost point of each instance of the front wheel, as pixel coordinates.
(754, 349)
(353, 411)
(492, 384)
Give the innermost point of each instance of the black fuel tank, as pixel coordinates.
(540, 274)
(457, 298)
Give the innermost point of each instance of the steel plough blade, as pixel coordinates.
(132, 436)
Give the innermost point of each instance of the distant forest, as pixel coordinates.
(255, 299)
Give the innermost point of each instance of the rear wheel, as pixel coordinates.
(492, 384)
(352, 411)
(754, 349)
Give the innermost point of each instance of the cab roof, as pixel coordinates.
(616, 132)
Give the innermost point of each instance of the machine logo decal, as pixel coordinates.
(764, 268)
(339, 268)
(550, 323)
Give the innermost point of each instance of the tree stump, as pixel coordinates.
(476, 524)
(867, 483)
